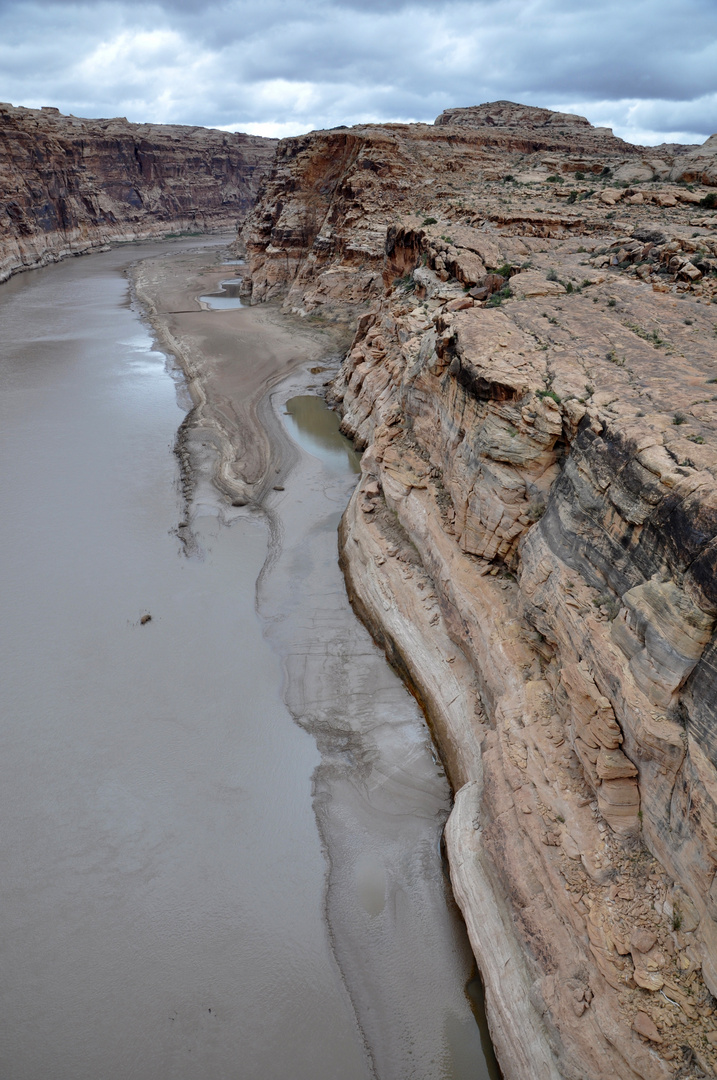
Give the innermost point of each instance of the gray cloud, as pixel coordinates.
(648, 68)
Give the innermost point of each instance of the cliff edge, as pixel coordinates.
(533, 380)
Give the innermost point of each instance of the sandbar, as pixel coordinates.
(231, 359)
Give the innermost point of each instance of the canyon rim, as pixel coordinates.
(532, 379)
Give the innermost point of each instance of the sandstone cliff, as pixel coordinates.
(69, 185)
(534, 540)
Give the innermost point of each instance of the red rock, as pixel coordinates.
(644, 1025)
(642, 940)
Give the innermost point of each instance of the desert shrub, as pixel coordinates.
(498, 297)
(549, 393)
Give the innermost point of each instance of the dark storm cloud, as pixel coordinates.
(649, 68)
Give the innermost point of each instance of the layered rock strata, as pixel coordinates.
(534, 541)
(70, 185)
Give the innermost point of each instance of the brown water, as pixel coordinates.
(170, 910)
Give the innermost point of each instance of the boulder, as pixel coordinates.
(534, 283)
(643, 940)
(644, 1025)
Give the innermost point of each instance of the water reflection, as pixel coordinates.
(227, 297)
(316, 428)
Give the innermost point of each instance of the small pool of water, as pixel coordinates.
(316, 429)
(227, 297)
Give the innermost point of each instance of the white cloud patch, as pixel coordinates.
(647, 69)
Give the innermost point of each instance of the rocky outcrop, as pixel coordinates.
(70, 185)
(317, 235)
(699, 165)
(534, 541)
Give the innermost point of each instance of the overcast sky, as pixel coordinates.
(647, 68)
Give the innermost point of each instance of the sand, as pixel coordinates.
(230, 359)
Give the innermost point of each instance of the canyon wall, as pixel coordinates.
(534, 540)
(70, 185)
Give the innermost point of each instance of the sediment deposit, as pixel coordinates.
(70, 184)
(534, 539)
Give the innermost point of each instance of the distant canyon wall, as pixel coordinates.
(69, 185)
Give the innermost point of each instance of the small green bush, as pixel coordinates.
(430, 221)
(498, 297)
(609, 602)
(549, 393)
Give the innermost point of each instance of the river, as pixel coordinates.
(221, 823)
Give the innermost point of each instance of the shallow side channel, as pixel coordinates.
(380, 795)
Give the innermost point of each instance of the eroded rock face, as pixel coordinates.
(70, 185)
(699, 165)
(534, 541)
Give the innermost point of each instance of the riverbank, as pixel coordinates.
(230, 360)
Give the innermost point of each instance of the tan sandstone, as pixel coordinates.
(532, 380)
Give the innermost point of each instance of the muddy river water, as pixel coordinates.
(221, 825)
